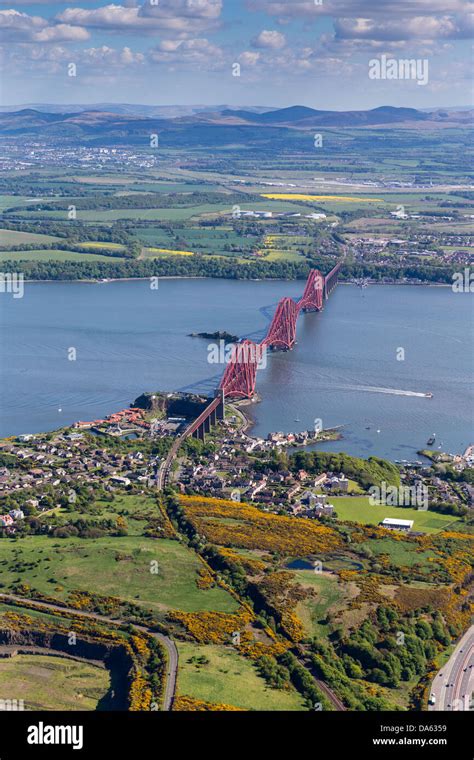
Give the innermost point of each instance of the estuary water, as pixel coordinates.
(71, 351)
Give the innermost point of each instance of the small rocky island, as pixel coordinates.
(217, 335)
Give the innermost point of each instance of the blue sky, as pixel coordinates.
(311, 52)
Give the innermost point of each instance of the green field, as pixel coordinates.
(13, 238)
(44, 617)
(228, 678)
(133, 507)
(280, 255)
(358, 509)
(46, 255)
(7, 201)
(132, 183)
(174, 187)
(112, 566)
(312, 611)
(173, 214)
(180, 213)
(400, 553)
(52, 682)
(205, 240)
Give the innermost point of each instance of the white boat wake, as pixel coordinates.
(391, 391)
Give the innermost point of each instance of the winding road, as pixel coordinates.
(170, 646)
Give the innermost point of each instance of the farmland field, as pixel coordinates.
(329, 593)
(117, 567)
(12, 237)
(153, 253)
(227, 678)
(359, 509)
(208, 240)
(59, 255)
(47, 682)
(400, 553)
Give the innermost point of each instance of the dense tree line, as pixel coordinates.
(136, 200)
(178, 266)
(304, 682)
(73, 230)
(129, 252)
(387, 650)
(367, 472)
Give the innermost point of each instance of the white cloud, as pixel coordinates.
(249, 58)
(354, 8)
(191, 53)
(53, 59)
(108, 16)
(177, 17)
(20, 27)
(111, 56)
(269, 39)
(62, 33)
(367, 25)
(418, 27)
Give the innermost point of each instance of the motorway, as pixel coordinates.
(454, 684)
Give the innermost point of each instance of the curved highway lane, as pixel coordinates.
(454, 684)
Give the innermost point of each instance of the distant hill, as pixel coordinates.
(308, 117)
(213, 127)
(133, 109)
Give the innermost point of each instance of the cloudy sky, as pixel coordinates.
(311, 52)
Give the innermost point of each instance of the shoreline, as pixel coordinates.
(105, 281)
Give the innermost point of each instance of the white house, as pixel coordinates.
(16, 514)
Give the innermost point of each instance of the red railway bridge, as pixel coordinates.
(239, 378)
(208, 417)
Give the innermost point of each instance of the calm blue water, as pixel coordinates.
(129, 339)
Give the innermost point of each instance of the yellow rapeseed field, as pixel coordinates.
(105, 244)
(168, 250)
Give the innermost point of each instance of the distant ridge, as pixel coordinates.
(132, 109)
(208, 127)
(306, 117)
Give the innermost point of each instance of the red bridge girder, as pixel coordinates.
(239, 378)
(240, 374)
(312, 298)
(282, 330)
(330, 280)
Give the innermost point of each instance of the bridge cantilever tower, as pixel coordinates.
(312, 298)
(239, 378)
(282, 330)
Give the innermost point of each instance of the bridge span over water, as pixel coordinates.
(240, 376)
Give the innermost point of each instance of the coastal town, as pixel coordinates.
(126, 451)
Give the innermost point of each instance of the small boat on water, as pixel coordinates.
(431, 440)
